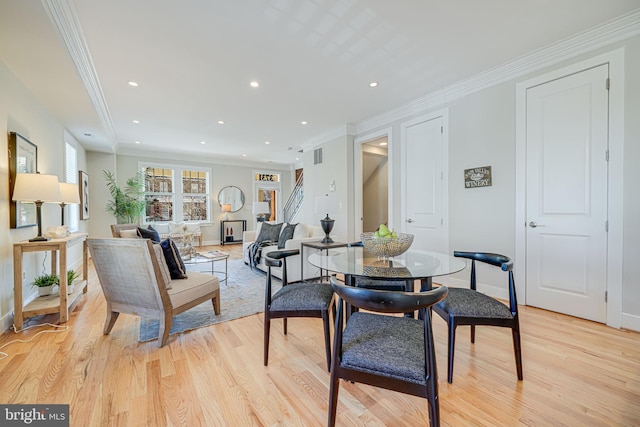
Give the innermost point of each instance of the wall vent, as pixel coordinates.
(317, 156)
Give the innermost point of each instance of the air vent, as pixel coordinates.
(317, 156)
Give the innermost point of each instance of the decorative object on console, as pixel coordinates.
(226, 208)
(386, 247)
(70, 195)
(325, 205)
(260, 209)
(37, 188)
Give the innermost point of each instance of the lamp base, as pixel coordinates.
(327, 226)
(39, 239)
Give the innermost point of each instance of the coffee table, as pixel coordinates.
(212, 257)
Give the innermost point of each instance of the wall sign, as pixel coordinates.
(267, 177)
(477, 177)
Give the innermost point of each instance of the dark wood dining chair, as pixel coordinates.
(469, 307)
(295, 300)
(391, 352)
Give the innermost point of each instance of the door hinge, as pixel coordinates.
(606, 155)
(608, 84)
(606, 226)
(606, 296)
(441, 129)
(441, 175)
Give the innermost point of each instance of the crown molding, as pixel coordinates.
(615, 30)
(62, 15)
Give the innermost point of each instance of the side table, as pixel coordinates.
(53, 303)
(320, 246)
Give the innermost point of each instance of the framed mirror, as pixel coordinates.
(233, 196)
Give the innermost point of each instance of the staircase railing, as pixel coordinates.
(295, 200)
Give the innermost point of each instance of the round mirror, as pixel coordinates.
(232, 196)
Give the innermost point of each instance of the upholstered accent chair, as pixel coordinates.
(295, 300)
(469, 307)
(391, 352)
(135, 280)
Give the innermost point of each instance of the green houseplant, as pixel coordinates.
(127, 204)
(45, 283)
(71, 276)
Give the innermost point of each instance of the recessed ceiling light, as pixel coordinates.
(373, 84)
(267, 142)
(303, 122)
(134, 84)
(244, 155)
(297, 158)
(254, 84)
(136, 142)
(383, 143)
(136, 121)
(202, 142)
(220, 122)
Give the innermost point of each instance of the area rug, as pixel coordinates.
(242, 295)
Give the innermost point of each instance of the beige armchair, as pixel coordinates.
(135, 280)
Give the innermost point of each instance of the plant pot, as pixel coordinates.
(44, 291)
(70, 288)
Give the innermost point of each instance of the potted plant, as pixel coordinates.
(45, 283)
(126, 205)
(71, 277)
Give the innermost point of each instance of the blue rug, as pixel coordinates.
(242, 295)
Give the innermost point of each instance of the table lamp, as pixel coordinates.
(39, 189)
(226, 208)
(70, 195)
(326, 204)
(260, 209)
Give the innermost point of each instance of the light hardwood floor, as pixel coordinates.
(576, 373)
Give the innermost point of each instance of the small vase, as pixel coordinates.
(70, 288)
(44, 291)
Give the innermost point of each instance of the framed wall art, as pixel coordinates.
(83, 177)
(23, 158)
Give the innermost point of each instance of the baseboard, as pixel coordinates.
(7, 322)
(631, 321)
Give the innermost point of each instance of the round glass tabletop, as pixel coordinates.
(413, 264)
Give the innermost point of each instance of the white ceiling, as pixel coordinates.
(314, 59)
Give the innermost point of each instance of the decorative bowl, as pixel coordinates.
(386, 247)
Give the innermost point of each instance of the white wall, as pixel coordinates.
(20, 112)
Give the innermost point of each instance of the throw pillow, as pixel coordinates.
(177, 269)
(162, 263)
(287, 233)
(269, 232)
(176, 227)
(129, 234)
(301, 232)
(149, 233)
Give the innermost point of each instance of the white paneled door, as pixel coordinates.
(423, 183)
(566, 185)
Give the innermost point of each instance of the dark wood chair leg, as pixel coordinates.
(473, 334)
(518, 352)
(327, 337)
(333, 398)
(452, 347)
(267, 328)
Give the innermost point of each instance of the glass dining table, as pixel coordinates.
(410, 266)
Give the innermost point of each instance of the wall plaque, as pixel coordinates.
(477, 177)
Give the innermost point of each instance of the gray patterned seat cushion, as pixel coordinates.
(386, 285)
(469, 303)
(302, 296)
(385, 345)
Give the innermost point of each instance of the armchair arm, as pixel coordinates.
(249, 236)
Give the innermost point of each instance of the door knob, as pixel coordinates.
(409, 220)
(534, 224)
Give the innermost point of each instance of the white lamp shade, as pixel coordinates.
(226, 207)
(260, 208)
(69, 193)
(326, 204)
(34, 187)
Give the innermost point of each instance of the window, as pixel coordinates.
(72, 211)
(168, 200)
